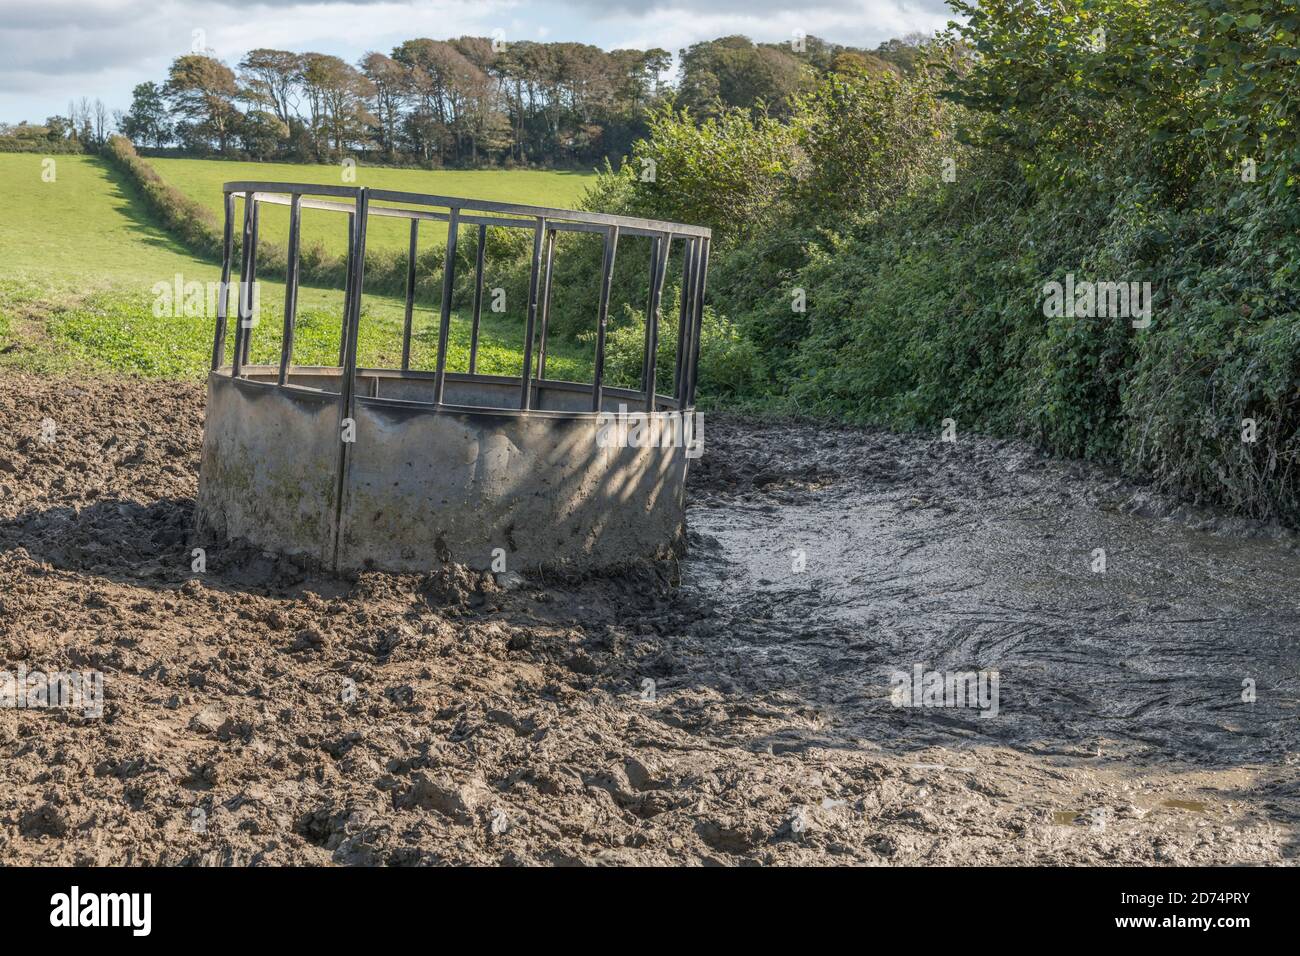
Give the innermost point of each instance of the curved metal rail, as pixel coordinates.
(358, 203)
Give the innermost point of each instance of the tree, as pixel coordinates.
(147, 122)
(867, 137)
(336, 94)
(86, 117)
(445, 86)
(261, 132)
(1071, 84)
(201, 90)
(725, 172)
(905, 53)
(388, 80)
(58, 127)
(270, 80)
(99, 113)
(462, 100)
(484, 123)
(732, 71)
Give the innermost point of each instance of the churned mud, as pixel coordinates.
(739, 707)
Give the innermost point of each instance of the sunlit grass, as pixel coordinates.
(201, 180)
(110, 331)
(84, 265)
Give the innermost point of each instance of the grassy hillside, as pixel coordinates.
(83, 259)
(201, 180)
(85, 229)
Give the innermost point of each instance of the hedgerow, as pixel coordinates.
(1134, 141)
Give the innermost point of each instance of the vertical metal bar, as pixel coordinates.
(410, 295)
(223, 292)
(693, 367)
(478, 298)
(348, 361)
(252, 280)
(448, 287)
(352, 307)
(652, 320)
(697, 268)
(649, 309)
(290, 288)
(237, 356)
(347, 287)
(546, 305)
(685, 316)
(602, 318)
(526, 395)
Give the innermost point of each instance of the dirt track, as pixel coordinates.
(257, 713)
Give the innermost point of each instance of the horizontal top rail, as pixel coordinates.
(396, 212)
(565, 220)
(302, 189)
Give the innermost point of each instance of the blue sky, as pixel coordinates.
(52, 51)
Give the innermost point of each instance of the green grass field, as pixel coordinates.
(201, 180)
(83, 260)
(86, 229)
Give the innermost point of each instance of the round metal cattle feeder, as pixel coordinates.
(404, 469)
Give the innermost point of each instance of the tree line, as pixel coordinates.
(461, 102)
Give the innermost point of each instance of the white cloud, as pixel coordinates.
(674, 29)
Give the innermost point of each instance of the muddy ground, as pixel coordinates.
(735, 708)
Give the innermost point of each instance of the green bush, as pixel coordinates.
(868, 140)
(1229, 351)
(48, 147)
(727, 361)
(1106, 139)
(727, 172)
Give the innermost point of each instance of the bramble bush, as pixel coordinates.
(1118, 140)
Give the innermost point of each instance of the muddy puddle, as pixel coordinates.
(830, 591)
(738, 708)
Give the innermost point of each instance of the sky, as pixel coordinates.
(52, 51)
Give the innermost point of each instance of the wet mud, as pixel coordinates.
(737, 707)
